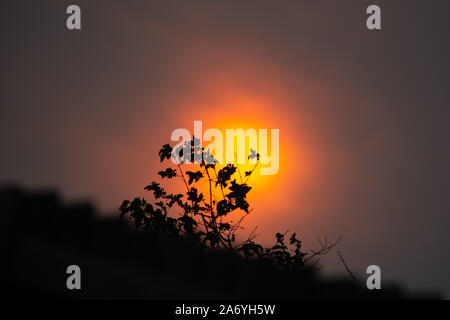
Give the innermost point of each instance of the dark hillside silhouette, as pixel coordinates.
(41, 236)
(192, 256)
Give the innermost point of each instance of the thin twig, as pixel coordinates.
(348, 269)
(237, 166)
(324, 248)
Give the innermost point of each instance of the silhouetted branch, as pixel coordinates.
(324, 248)
(348, 269)
(208, 221)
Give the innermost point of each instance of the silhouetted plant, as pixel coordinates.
(204, 219)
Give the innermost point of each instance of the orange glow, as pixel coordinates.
(230, 92)
(269, 192)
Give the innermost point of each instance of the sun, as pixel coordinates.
(241, 111)
(252, 174)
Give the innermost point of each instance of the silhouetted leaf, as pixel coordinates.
(175, 199)
(157, 190)
(238, 194)
(124, 208)
(223, 207)
(194, 196)
(224, 175)
(209, 160)
(165, 152)
(224, 226)
(168, 173)
(188, 223)
(194, 176)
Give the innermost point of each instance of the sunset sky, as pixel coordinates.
(363, 115)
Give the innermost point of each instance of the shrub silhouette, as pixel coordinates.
(205, 219)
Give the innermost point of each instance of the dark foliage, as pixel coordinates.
(209, 219)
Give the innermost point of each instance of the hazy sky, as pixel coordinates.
(363, 115)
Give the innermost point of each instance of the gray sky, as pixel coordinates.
(86, 111)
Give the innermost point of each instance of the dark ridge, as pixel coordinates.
(41, 236)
